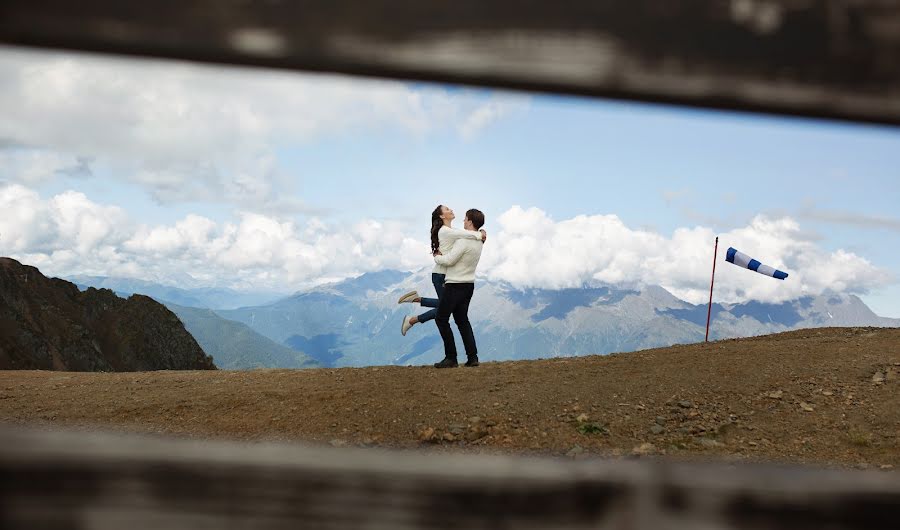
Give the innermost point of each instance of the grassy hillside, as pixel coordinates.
(234, 346)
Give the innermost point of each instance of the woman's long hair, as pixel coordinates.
(436, 224)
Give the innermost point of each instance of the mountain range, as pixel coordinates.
(206, 297)
(356, 322)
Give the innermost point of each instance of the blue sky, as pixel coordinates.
(324, 166)
(652, 165)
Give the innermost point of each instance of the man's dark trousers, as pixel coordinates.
(456, 302)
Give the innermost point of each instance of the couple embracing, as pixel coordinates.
(456, 253)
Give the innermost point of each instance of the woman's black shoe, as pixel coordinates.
(446, 363)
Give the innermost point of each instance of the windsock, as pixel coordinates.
(742, 260)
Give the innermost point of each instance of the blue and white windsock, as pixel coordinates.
(742, 260)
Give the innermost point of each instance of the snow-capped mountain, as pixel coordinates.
(356, 322)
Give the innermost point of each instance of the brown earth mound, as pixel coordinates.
(48, 324)
(824, 396)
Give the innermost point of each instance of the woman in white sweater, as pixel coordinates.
(443, 235)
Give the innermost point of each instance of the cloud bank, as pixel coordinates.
(532, 249)
(188, 132)
(68, 234)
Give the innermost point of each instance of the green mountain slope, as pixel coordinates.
(234, 346)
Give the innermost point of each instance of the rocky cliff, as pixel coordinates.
(48, 324)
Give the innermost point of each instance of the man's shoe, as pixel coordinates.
(473, 361)
(446, 362)
(406, 325)
(408, 298)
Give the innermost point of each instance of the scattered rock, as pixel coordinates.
(657, 429)
(449, 437)
(862, 465)
(886, 467)
(337, 443)
(644, 449)
(582, 418)
(892, 374)
(806, 406)
(827, 393)
(752, 443)
(474, 419)
(878, 377)
(427, 434)
(685, 404)
(476, 433)
(456, 429)
(660, 420)
(776, 394)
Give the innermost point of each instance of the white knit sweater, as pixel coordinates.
(446, 238)
(462, 261)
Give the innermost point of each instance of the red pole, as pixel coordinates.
(711, 283)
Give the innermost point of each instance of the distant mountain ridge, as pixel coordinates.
(356, 322)
(48, 324)
(205, 297)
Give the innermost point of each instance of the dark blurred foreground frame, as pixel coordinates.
(835, 59)
(820, 58)
(57, 479)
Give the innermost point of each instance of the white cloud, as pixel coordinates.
(531, 249)
(195, 132)
(68, 222)
(69, 234)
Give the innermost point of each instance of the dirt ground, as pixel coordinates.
(820, 396)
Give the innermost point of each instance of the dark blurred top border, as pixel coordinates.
(837, 59)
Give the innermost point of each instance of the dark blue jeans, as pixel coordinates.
(455, 301)
(438, 281)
